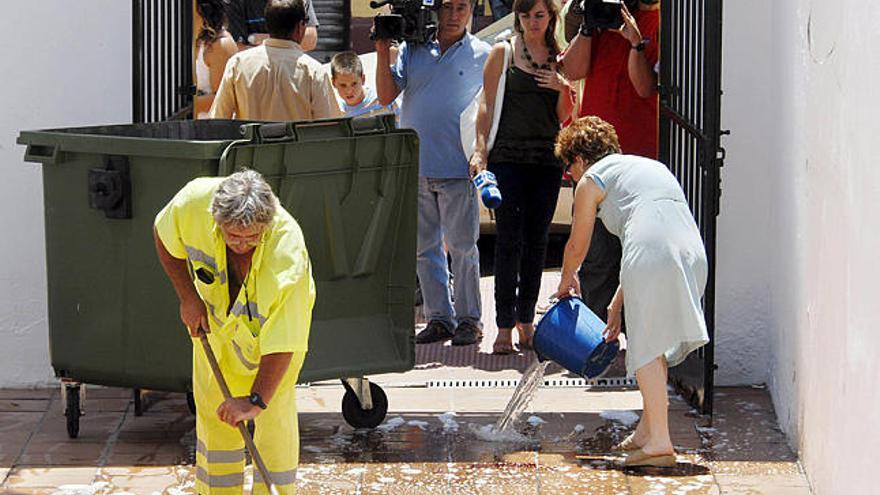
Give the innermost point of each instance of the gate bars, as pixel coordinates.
(162, 41)
(690, 133)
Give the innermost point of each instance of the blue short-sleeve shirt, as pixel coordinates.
(437, 87)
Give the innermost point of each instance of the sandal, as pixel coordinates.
(525, 336)
(503, 346)
(627, 444)
(639, 458)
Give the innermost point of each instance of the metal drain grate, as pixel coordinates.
(614, 382)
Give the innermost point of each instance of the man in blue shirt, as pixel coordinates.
(439, 79)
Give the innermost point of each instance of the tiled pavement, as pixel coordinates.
(564, 448)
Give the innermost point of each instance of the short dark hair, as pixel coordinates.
(283, 17)
(346, 63)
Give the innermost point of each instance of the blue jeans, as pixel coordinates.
(448, 210)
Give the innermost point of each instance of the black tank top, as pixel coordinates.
(529, 124)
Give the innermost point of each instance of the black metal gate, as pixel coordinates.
(690, 132)
(162, 43)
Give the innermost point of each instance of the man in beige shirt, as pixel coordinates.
(277, 81)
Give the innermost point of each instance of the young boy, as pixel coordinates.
(356, 99)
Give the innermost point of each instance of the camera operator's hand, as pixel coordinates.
(383, 46)
(630, 30)
(477, 163)
(552, 80)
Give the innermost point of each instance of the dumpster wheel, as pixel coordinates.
(191, 403)
(358, 417)
(72, 408)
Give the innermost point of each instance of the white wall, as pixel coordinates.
(801, 223)
(64, 64)
(743, 241)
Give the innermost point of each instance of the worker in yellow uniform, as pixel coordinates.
(240, 267)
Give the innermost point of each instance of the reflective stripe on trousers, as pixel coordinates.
(220, 449)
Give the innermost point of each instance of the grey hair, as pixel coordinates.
(244, 199)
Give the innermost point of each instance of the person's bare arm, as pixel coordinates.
(310, 39)
(641, 73)
(386, 88)
(192, 310)
(272, 370)
(576, 60)
(485, 114)
(224, 106)
(216, 57)
(586, 202)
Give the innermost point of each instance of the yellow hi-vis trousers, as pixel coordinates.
(220, 451)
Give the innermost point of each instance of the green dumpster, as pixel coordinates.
(113, 316)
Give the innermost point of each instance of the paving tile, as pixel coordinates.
(663, 484)
(502, 478)
(99, 392)
(147, 454)
(405, 478)
(27, 393)
(747, 468)
(762, 484)
(93, 427)
(138, 479)
(564, 474)
(42, 477)
(18, 423)
(62, 453)
(28, 491)
(329, 479)
(23, 405)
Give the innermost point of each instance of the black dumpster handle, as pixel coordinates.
(46, 154)
(222, 169)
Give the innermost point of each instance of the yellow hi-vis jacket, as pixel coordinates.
(273, 310)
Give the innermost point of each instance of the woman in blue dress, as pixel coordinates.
(662, 275)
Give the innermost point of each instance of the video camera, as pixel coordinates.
(413, 21)
(604, 14)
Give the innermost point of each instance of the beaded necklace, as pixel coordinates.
(551, 57)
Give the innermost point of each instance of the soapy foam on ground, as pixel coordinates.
(420, 424)
(449, 424)
(535, 421)
(391, 424)
(489, 433)
(627, 418)
(81, 489)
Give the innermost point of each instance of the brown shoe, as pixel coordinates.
(627, 445)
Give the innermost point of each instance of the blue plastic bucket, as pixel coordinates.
(571, 335)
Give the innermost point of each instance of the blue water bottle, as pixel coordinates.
(486, 183)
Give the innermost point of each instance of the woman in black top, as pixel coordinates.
(536, 100)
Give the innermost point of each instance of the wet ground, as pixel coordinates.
(563, 446)
(433, 440)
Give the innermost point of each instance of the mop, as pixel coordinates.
(245, 434)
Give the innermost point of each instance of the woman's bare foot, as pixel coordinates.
(503, 343)
(526, 332)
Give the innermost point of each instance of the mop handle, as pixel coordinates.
(245, 434)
